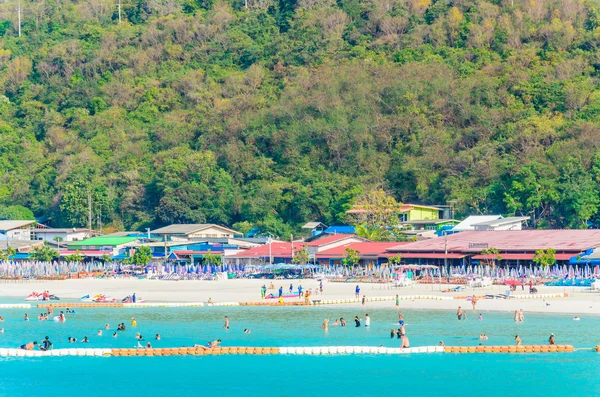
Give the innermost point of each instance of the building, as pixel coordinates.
(369, 252)
(429, 224)
(23, 247)
(515, 246)
(406, 212)
(470, 221)
(331, 241)
(274, 252)
(509, 223)
(195, 231)
(315, 228)
(102, 245)
(65, 235)
(16, 230)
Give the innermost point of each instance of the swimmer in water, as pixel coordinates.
(85, 340)
(551, 339)
(1, 330)
(441, 343)
(392, 333)
(1, 318)
(148, 345)
(400, 318)
(516, 316)
(405, 343)
(246, 331)
(480, 317)
(459, 313)
(26, 317)
(356, 321)
(521, 316)
(114, 334)
(226, 325)
(336, 322)
(99, 332)
(41, 317)
(576, 319)
(157, 337)
(342, 322)
(326, 325)
(107, 326)
(518, 340)
(133, 322)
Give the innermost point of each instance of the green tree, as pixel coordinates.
(142, 256)
(545, 258)
(106, 258)
(301, 257)
(492, 255)
(351, 257)
(74, 257)
(43, 254)
(16, 212)
(212, 259)
(395, 260)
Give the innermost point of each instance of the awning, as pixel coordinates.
(415, 255)
(522, 257)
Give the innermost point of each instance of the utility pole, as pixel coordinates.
(19, 13)
(119, 8)
(90, 210)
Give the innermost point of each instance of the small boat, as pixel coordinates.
(34, 296)
(103, 299)
(87, 298)
(129, 299)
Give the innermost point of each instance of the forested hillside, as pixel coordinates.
(278, 113)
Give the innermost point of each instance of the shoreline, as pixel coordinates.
(578, 302)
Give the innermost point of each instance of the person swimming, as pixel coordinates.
(157, 337)
(400, 318)
(85, 340)
(28, 346)
(336, 322)
(99, 332)
(133, 322)
(342, 321)
(392, 333)
(357, 321)
(576, 318)
(107, 326)
(246, 331)
(46, 345)
(114, 334)
(405, 343)
(26, 318)
(148, 345)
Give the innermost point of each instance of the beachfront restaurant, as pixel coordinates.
(515, 247)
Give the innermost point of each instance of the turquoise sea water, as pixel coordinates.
(355, 375)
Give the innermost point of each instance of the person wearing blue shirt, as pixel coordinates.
(280, 291)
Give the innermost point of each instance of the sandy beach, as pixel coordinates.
(579, 300)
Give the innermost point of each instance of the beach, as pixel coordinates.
(579, 300)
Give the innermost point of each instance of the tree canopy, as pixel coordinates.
(278, 113)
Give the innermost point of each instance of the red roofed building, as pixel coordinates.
(369, 252)
(514, 246)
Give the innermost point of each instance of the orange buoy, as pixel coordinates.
(488, 349)
(463, 350)
(544, 349)
(183, 351)
(496, 349)
(233, 350)
(471, 349)
(225, 350)
(166, 352)
(520, 349)
(191, 350)
(266, 350)
(528, 349)
(158, 352)
(115, 352)
(504, 349)
(569, 348)
(479, 349)
(447, 349)
(200, 351)
(537, 349)
(140, 352)
(553, 348)
(512, 349)
(274, 350)
(217, 351)
(174, 351)
(150, 352)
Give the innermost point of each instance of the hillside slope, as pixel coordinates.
(285, 112)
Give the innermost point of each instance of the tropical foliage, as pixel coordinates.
(276, 113)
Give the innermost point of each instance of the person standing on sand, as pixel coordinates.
(357, 291)
(291, 288)
(321, 286)
(299, 290)
(474, 302)
(459, 313)
(326, 325)
(226, 325)
(280, 292)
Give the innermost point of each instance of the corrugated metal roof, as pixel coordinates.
(190, 228)
(10, 225)
(558, 257)
(331, 239)
(468, 223)
(564, 241)
(278, 249)
(367, 248)
(502, 221)
(102, 241)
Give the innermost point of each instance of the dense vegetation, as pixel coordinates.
(279, 112)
